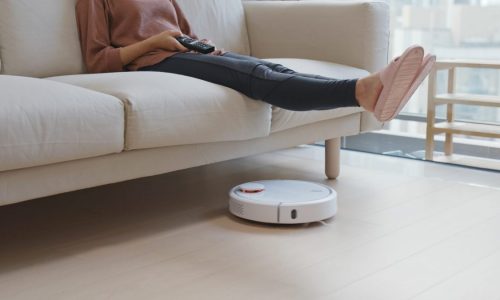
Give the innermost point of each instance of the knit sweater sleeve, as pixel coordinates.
(93, 29)
(182, 21)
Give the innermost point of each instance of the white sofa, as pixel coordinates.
(63, 130)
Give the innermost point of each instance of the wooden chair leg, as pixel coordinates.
(332, 158)
(448, 141)
(431, 116)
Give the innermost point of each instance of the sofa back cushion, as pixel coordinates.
(222, 21)
(39, 38)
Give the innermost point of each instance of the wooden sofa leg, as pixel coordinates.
(332, 158)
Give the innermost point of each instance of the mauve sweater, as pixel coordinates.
(106, 25)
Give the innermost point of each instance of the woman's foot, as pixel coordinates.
(367, 91)
(386, 92)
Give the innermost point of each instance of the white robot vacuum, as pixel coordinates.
(283, 201)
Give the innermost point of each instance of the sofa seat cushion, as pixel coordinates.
(44, 122)
(165, 109)
(283, 119)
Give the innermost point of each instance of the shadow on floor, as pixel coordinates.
(45, 229)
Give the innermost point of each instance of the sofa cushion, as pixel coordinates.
(284, 119)
(40, 38)
(165, 109)
(44, 122)
(222, 21)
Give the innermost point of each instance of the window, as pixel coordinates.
(452, 29)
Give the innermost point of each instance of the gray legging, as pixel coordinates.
(260, 79)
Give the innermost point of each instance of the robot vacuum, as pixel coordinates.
(283, 201)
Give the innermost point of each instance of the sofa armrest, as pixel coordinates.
(354, 34)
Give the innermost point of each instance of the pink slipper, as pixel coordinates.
(427, 64)
(397, 79)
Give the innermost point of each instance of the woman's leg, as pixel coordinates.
(262, 80)
(275, 67)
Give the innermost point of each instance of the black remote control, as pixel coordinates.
(195, 45)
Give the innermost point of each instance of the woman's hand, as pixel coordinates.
(166, 40)
(217, 51)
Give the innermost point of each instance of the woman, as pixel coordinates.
(139, 35)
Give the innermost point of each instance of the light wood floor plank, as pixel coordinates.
(414, 227)
(479, 281)
(414, 274)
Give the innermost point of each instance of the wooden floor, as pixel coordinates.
(405, 230)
